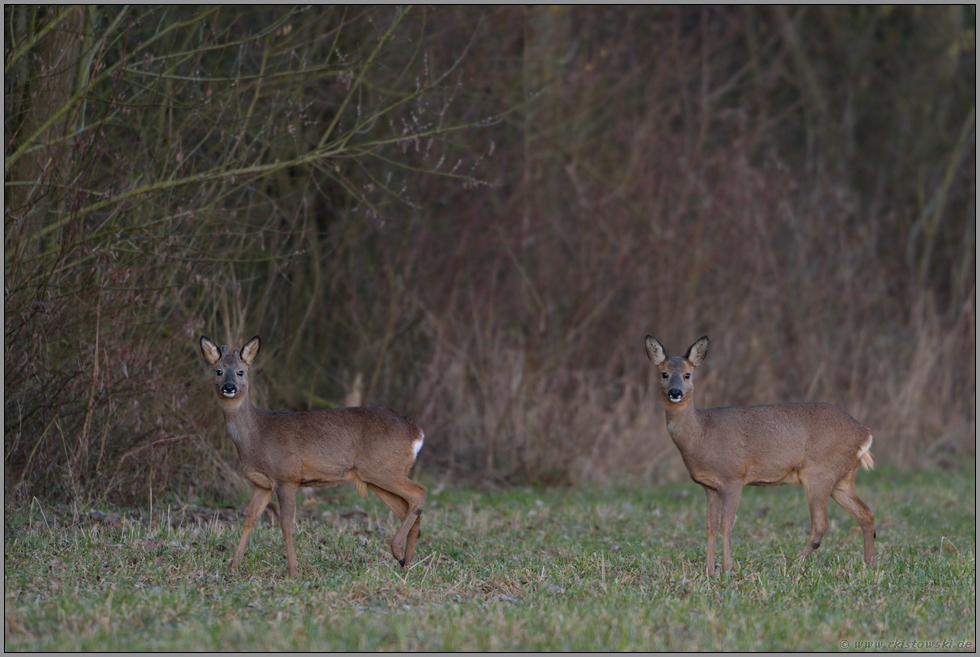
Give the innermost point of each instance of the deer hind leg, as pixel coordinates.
(413, 496)
(846, 495)
(730, 497)
(287, 514)
(260, 498)
(714, 520)
(400, 508)
(816, 499)
(408, 534)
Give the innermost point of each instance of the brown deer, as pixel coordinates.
(373, 447)
(816, 445)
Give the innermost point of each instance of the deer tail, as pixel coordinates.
(864, 456)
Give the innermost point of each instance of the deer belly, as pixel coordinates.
(320, 483)
(791, 478)
(322, 474)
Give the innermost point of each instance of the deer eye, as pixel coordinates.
(687, 376)
(663, 375)
(241, 372)
(218, 372)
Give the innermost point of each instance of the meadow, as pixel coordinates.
(574, 569)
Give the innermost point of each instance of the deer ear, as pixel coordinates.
(251, 350)
(655, 351)
(210, 350)
(698, 351)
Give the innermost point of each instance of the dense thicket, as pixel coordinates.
(475, 216)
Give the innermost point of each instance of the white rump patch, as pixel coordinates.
(866, 447)
(417, 445)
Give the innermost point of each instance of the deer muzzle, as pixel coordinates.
(229, 390)
(675, 395)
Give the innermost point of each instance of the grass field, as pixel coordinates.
(524, 569)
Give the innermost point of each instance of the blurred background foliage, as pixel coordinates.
(475, 215)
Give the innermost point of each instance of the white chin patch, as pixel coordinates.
(228, 394)
(675, 401)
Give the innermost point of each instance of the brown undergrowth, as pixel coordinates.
(475, 217)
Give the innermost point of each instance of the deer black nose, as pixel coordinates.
(229, 390)
(675, 394)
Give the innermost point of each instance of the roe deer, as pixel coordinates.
(373, 447)
(815, 445)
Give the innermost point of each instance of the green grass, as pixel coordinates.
(570, 569)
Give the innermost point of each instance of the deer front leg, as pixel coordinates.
(287, 513)
(730, 496)
(714, 519)
(260, 498)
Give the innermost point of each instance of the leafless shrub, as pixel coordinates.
(479, 215)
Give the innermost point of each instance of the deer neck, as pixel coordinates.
(241, 421)
(683, 424)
